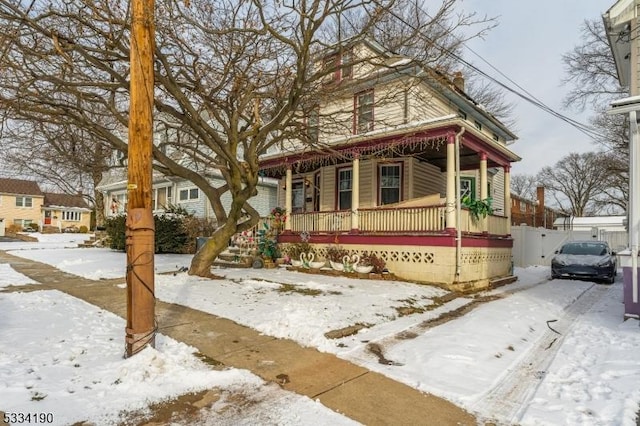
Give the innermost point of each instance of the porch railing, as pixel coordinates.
(496, 225)
(405, 219)
(333, 221)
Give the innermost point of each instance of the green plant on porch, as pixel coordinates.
(478, 208)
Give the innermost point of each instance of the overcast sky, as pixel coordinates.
(527, 46)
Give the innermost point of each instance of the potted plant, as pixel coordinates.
(477, 208)
(277, 218)
(268, 246)
(336, 254)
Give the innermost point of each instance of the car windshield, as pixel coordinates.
(584, 248)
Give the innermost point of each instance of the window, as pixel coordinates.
(496, 137)
(478, 125)
(339, 66)
(71, 216)
(162, 198)
(313, 125)
(347, 64)
(390, 182)
(192, 194)
(24, 202)
(345, 185)
(468, 187)
(462, 114)
(364, 112)
(297, 196)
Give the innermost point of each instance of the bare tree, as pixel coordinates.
(234, 79)
(63, 158)
(592, 76)
(578, 183)
(524, 185)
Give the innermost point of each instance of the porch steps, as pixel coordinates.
(98, 239)
(234, 257)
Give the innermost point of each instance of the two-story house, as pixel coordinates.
(22, 203)
(388, 157)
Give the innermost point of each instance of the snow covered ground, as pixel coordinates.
(590, 376)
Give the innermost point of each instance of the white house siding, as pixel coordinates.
(498, 192)
(427, 179)
(196, 207)
(368, 176)
(424, 104)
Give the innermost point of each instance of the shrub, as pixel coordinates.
(295, 249)
(336, 253)
(174, 231)
(13, 229)
(370, 259)
(33, 227)
(84, 229)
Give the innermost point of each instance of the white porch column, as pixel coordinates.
(287, 199)
(355, 194)
(483, 188)
(507, 197)
(450, 219)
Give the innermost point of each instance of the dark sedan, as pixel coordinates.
(586, 260)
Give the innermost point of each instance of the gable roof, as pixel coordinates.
(19, 187)
(64, 200)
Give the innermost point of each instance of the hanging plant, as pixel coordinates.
(478, 208)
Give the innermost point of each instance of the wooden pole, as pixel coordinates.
(140, 233)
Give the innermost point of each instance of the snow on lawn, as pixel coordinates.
(9, 277)
(593, 379)
(63, 356)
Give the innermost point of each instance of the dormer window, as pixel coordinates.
(339, 66)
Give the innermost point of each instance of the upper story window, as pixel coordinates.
(24, 202)
(313, 125)
(477, 124)
(191, 194)
(390, 183)
(496, 137)
(339, 66)
(345, 188)
(462, 114)
(364, 112)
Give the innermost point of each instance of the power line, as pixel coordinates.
(587, 130)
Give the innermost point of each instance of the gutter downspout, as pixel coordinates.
(458, 205)
(634, 201)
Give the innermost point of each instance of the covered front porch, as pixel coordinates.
(426, 238)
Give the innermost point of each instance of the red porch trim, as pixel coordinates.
(442, 240)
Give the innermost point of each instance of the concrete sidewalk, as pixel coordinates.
(365, 396)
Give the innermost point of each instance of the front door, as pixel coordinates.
(47, 217)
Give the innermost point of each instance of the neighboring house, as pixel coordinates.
(533, 212)
(65, 212)
(174, 191)
(20, 202)
(621, 24)
(391, 141)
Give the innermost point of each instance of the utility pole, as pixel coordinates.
(140, 233)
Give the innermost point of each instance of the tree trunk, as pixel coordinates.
(219, 241)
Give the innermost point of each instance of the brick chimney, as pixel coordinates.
(540, 206)
(458, 80)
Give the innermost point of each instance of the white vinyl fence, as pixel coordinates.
(536, 246)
